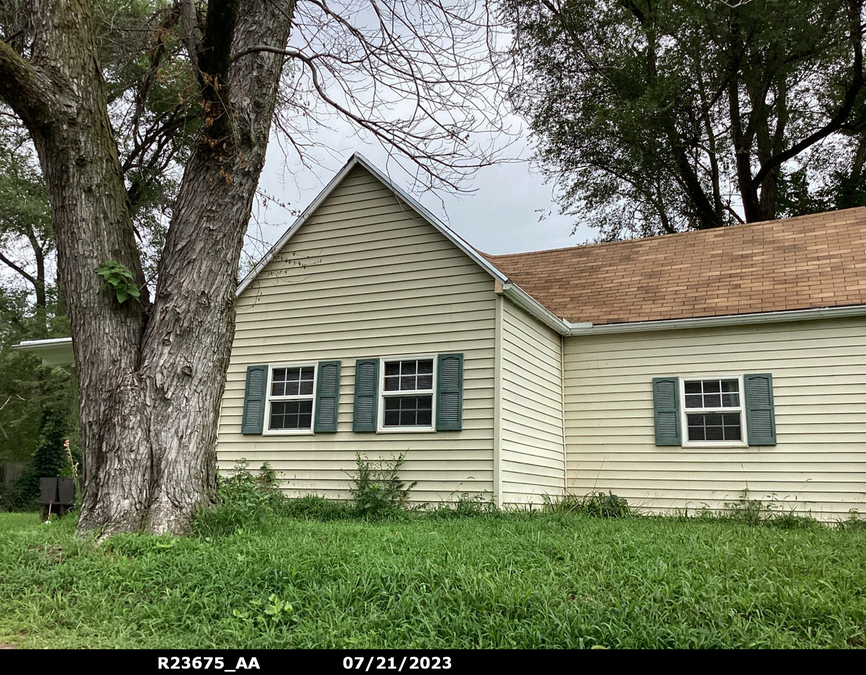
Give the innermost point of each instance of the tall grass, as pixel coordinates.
(515, 580)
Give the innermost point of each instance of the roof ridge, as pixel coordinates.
(672, 234)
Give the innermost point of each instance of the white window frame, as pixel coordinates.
(266, 430)
(741, 409)
(380, 426)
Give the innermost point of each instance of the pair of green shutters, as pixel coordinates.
(757, 402)
(449, 396)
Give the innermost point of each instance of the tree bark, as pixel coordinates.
(151, 376)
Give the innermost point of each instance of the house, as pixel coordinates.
(675, 371)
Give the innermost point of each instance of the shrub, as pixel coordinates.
(378, 489)
(594, 504)
(245, 499)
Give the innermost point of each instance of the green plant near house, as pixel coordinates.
(594, 504)
(377, 488)
(245, 499)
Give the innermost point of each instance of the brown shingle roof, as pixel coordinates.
(777, 265)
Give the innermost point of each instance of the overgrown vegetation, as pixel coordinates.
(518, 580)
(594, 504)
(377, 488)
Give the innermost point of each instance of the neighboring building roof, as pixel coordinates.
(797, 263)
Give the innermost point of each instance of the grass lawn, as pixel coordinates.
(510, 581)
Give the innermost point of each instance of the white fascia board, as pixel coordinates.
(53, 352)
(578, 329)
(358, 160)
(526, 302)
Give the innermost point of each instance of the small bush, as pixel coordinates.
(245, 499)
(378, 489)
(594, 504)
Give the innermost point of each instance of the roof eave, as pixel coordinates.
(584, 329)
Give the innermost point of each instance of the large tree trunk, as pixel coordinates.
(151, 376)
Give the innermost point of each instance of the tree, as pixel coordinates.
(657, 116)
(151, 370)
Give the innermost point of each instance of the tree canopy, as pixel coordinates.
(657, 116)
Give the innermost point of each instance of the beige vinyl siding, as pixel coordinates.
(819, 381)
(532, 456)
(365, 277)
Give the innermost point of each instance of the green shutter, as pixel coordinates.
(666, 410)
(760, 413)
(366, 395)
(254, 400)
(327, 396)
(449, 393)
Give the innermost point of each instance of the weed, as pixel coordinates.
(377, 487)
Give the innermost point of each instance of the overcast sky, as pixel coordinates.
(501, 216)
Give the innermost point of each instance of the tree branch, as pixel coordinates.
(24, 88)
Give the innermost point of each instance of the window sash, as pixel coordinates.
(270, 399)
(399, 377)
(713, 410)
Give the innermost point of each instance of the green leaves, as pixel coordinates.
(118, 280)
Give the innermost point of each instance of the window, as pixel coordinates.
(713, 411)
(407, 394)
(291, 399)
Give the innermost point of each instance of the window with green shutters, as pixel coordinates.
(291, 398)
(717, 411)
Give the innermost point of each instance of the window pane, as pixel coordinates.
(425, 367)
(306, 387)
(425, 382)
(407, 383)
(733, 433)
(292, 388)
(408, 367)
(392, 368)
(392, 383)
(730, 385)
(392, 418)
(425, 418)
(693, 387)
(278, 389)
(694, 401)
(307, 374)
(712, 386)
(712, 401)
(279, 374)
(714, 433)
(730, 400)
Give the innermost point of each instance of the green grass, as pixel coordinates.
(527, 581)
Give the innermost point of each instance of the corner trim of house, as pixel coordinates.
(578, 329)
(497, 403)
